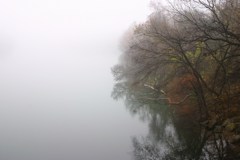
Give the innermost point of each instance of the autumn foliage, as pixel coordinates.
(188, 48)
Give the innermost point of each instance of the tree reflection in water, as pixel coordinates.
(168, 138)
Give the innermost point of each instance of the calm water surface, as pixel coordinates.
(56, 105)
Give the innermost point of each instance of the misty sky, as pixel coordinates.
(61, 42)
(55, 85)
(69, 23)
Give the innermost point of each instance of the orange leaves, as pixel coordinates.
(186, 81)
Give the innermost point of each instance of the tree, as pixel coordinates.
(193, 43)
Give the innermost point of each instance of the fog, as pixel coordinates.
(55, 60)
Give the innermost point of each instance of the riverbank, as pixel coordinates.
(220, 126)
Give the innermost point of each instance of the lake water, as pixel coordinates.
(56, 105)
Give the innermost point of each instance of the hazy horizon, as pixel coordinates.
(55, 60)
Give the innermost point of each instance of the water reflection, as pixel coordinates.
(170, 137)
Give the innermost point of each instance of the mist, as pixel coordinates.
(55, 61)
